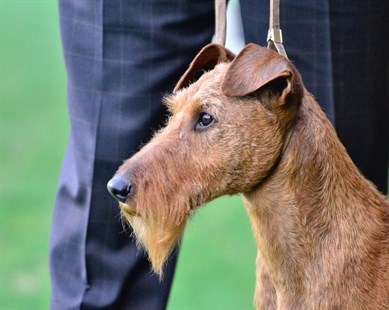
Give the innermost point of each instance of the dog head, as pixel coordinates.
(229, 119)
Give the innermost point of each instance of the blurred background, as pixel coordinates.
(216, 268)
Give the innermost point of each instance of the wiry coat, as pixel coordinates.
(322, 229)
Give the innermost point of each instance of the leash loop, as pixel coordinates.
(274, 35)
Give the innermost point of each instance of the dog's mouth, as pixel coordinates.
(128, 210)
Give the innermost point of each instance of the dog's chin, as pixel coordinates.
(128, 210)
(157, 239)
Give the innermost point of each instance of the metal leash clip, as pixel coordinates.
(274, 35)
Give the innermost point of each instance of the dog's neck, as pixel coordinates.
(310, 217)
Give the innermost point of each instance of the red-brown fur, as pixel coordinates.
(322, 229)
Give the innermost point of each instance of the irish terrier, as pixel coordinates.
(247, 125)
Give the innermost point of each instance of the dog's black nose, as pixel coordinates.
(119, 188)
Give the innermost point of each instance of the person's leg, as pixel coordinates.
(121, 56)
(342, 58)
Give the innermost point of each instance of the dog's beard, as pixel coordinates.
(158, 220)
(158, 238)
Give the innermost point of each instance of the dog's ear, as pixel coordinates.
(205, 60)
(255, 67)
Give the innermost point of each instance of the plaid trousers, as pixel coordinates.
(121, 56)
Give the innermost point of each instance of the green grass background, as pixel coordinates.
(217, 260)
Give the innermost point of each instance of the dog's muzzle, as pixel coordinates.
(119, 188)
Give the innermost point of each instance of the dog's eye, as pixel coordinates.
(204, 121)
